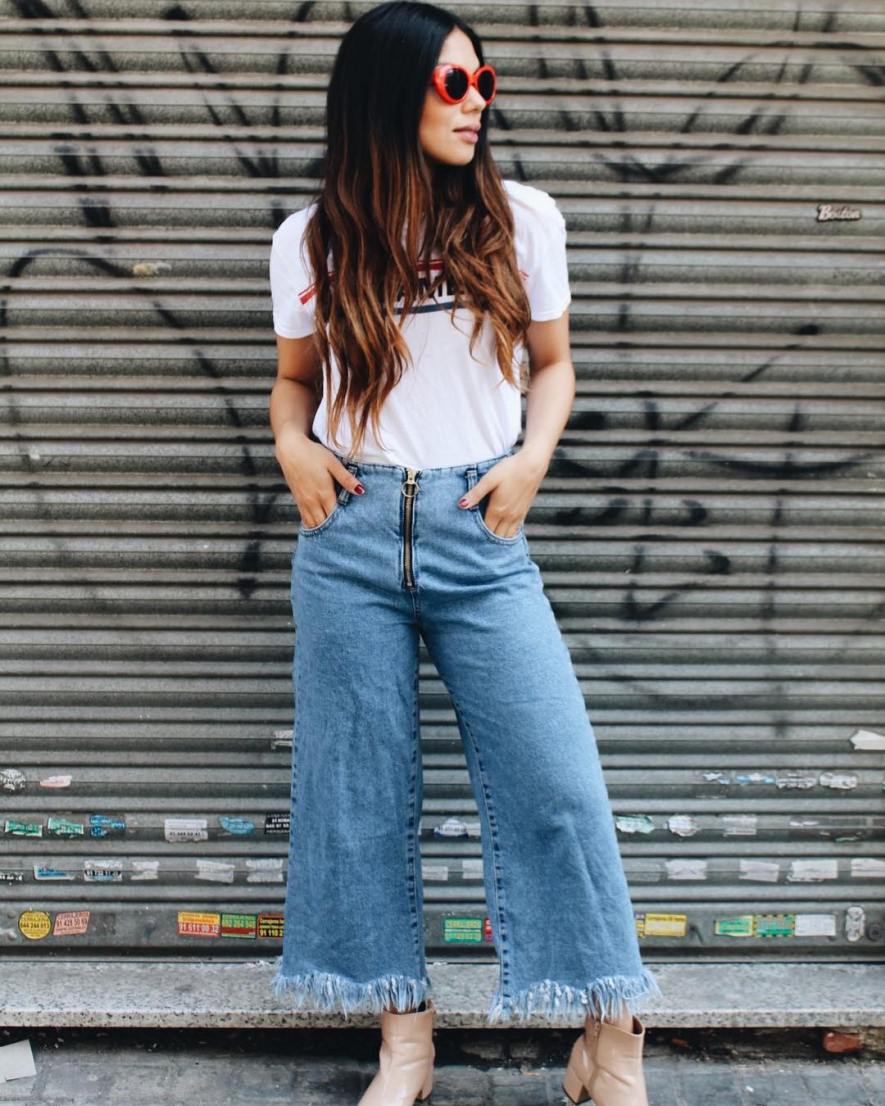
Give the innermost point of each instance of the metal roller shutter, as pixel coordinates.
(710, 531)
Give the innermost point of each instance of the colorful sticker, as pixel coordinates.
(634, 823)
(56, 781)
(105, 825)
(270, 924)
(775, 925)
(35, 924)
(64, 827)
(23, 829)
(70, 923)
(239, 925)
(239, 827)
(665, 925)
(741, 925)
(193, 923)
(43, 871)
(462, 930)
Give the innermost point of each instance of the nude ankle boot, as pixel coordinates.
(606, 1065)
(407, 1053)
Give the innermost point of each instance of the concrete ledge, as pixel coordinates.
(237, 994)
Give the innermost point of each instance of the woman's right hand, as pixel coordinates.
(310, 469)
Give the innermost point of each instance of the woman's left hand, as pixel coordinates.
(513, 484)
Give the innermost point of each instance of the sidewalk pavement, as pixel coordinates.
(475, 1067)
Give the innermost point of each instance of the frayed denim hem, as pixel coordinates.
(603, 998)
(331, 993)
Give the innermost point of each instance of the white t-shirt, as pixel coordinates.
(448, 408)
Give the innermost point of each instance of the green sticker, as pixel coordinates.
(739, 926)
(462, 930)
(775, 925)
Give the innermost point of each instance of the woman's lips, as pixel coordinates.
(468, 134)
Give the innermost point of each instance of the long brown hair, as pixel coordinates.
(377, 188)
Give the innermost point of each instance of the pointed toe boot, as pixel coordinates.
(405, 1075)
(605, 1065)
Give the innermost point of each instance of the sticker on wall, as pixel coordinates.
(462, 930)
(815, 925)
(11, 875)
(796, 781)
(70, 923)
(760, 871)
(739, 825)
(855, 918)
(683, 825)
(237, 827)
(662, 925)
(64, 827)
(867, 867)
(11, 779)
(739, 925)
(34, 924)
(239, 925)
(218, 871)
(178, 830)
(144, 869)
(686, 868)
(106, 825)
(841, 781)
(867, 741)
(276, 823)
(282, 739)
(634, 823)
(813, 871)
(745, 778)
(775, 925)
(195, 923)
(454, 827)
(438, 873)
(55, 781)
(270, 924)
(105, 870)
(471, 868)
(44, 871)
(23, 829)
(264, 869)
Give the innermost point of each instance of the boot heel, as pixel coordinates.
(574, 1088)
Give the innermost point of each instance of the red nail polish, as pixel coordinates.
(360, 489)
(462, 502)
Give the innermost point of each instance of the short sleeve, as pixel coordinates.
(291, 285)
(541, 250)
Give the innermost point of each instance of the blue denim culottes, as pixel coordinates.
(400, 562)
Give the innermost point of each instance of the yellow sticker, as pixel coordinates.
(35, 924)
(665, 925)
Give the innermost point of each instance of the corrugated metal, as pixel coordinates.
(710, 531)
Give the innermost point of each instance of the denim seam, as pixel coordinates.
(412, 851)
(503, 952)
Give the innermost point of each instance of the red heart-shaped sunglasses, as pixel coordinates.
(453, 82)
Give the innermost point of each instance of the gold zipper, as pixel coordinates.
(409, 488)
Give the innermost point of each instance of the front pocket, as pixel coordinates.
(307, 531)
(478, 510)
(341, 499)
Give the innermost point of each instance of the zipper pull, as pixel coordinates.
(410, 482)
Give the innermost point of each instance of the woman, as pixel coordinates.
(404, 297)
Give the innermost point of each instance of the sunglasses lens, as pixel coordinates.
(486, 84)
(456, 83)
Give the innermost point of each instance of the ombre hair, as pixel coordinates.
(378, 192)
